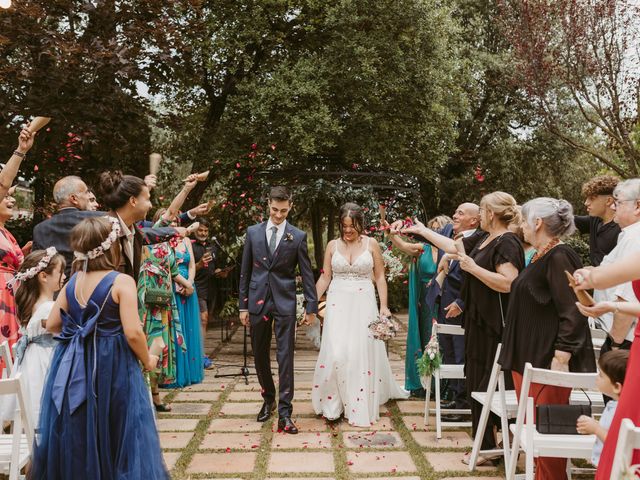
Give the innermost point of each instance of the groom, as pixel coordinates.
(272, 250)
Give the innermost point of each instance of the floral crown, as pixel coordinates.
(105, 245)
(33, 271)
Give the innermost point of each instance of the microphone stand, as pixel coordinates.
(244, 368)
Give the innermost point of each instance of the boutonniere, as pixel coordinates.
(288, 237)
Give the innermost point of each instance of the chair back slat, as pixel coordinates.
(5, 353)
(448, 329)
(563, 379)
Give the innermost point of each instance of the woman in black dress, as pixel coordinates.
(543, 324)
(494, 260)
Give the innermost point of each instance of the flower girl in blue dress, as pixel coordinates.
(96, 420)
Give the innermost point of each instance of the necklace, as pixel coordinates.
(543, 252)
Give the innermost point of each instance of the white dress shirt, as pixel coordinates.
(279, 232)
(628, 244)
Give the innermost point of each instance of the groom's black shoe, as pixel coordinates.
(265, 411)
(287, 426)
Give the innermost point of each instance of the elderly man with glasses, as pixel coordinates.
(626, 205)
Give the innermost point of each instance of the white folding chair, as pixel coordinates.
(15, 448)
(497, 405)
(628, 441)
(526, 436)
(598, 336)
(5, 353)
(450, 371)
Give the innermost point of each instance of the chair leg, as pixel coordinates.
(504, 419)
(482, 426)
(438, 415)
(530, 448)
(426, 401)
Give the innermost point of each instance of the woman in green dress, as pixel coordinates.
(422, 310)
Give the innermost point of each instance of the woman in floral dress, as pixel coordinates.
(11, 257)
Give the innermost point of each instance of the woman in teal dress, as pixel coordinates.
(422, 307)
(189, 367)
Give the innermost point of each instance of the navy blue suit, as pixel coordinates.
(268, 291)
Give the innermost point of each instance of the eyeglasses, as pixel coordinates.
(616, 201)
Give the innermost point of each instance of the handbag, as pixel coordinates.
(560, 419)
(160, 296)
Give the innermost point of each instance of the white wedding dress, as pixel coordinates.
(34, 365)
(352, 375)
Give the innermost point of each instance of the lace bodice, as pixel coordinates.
(360, 269)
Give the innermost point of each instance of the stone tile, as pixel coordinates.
(253, 386)
(450, 439)
(197, 397)
(473, 478)
(170, 458)
(303, 408)
(302, 395)
(234, 441)
(175, 439)
(234, 425)
(411, 406)
(452, 461)
(380, 462)
(372, 440)
(244, 396)
(203, 387)
(383, 424)
(415, 423)
(233, 462)
(301, 478)
(178, 409)
(306, 424)
(317, 440)
(243, 408)
(404, 478)
(301, 462)
(177, 424)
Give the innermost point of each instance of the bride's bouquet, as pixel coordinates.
(431, 358)
(384, 328)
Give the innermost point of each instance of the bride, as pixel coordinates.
(352, 375)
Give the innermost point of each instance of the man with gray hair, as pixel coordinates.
(72, 197)
(626, 203)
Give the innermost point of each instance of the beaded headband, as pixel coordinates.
(105, 245)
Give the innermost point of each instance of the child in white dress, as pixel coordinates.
(40, 277)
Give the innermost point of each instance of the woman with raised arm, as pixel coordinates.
(96, 419)
(494, 261)
(353, 376)
(625, 270)
(10, 170)
(422, 310)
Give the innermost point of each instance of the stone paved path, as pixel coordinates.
(212, 432)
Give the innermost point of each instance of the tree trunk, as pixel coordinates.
(316, 232)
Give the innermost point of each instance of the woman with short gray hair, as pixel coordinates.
(543, 324)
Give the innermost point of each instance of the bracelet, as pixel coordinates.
(19, 154)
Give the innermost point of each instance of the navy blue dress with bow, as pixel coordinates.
(96, 420)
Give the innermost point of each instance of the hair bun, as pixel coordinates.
(108, 181)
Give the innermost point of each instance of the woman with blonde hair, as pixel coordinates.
(494, 259)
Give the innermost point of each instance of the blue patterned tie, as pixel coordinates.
(272, 240)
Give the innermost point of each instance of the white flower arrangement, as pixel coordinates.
(392, 264)
(105, 245)
(431, 359)
(33, 271)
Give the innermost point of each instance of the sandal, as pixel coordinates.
(162, 408)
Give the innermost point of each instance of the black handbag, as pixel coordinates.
(560, 419)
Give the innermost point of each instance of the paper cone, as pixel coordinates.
(37, 123)
(201, 176)
(154, 163)
(583, 296)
